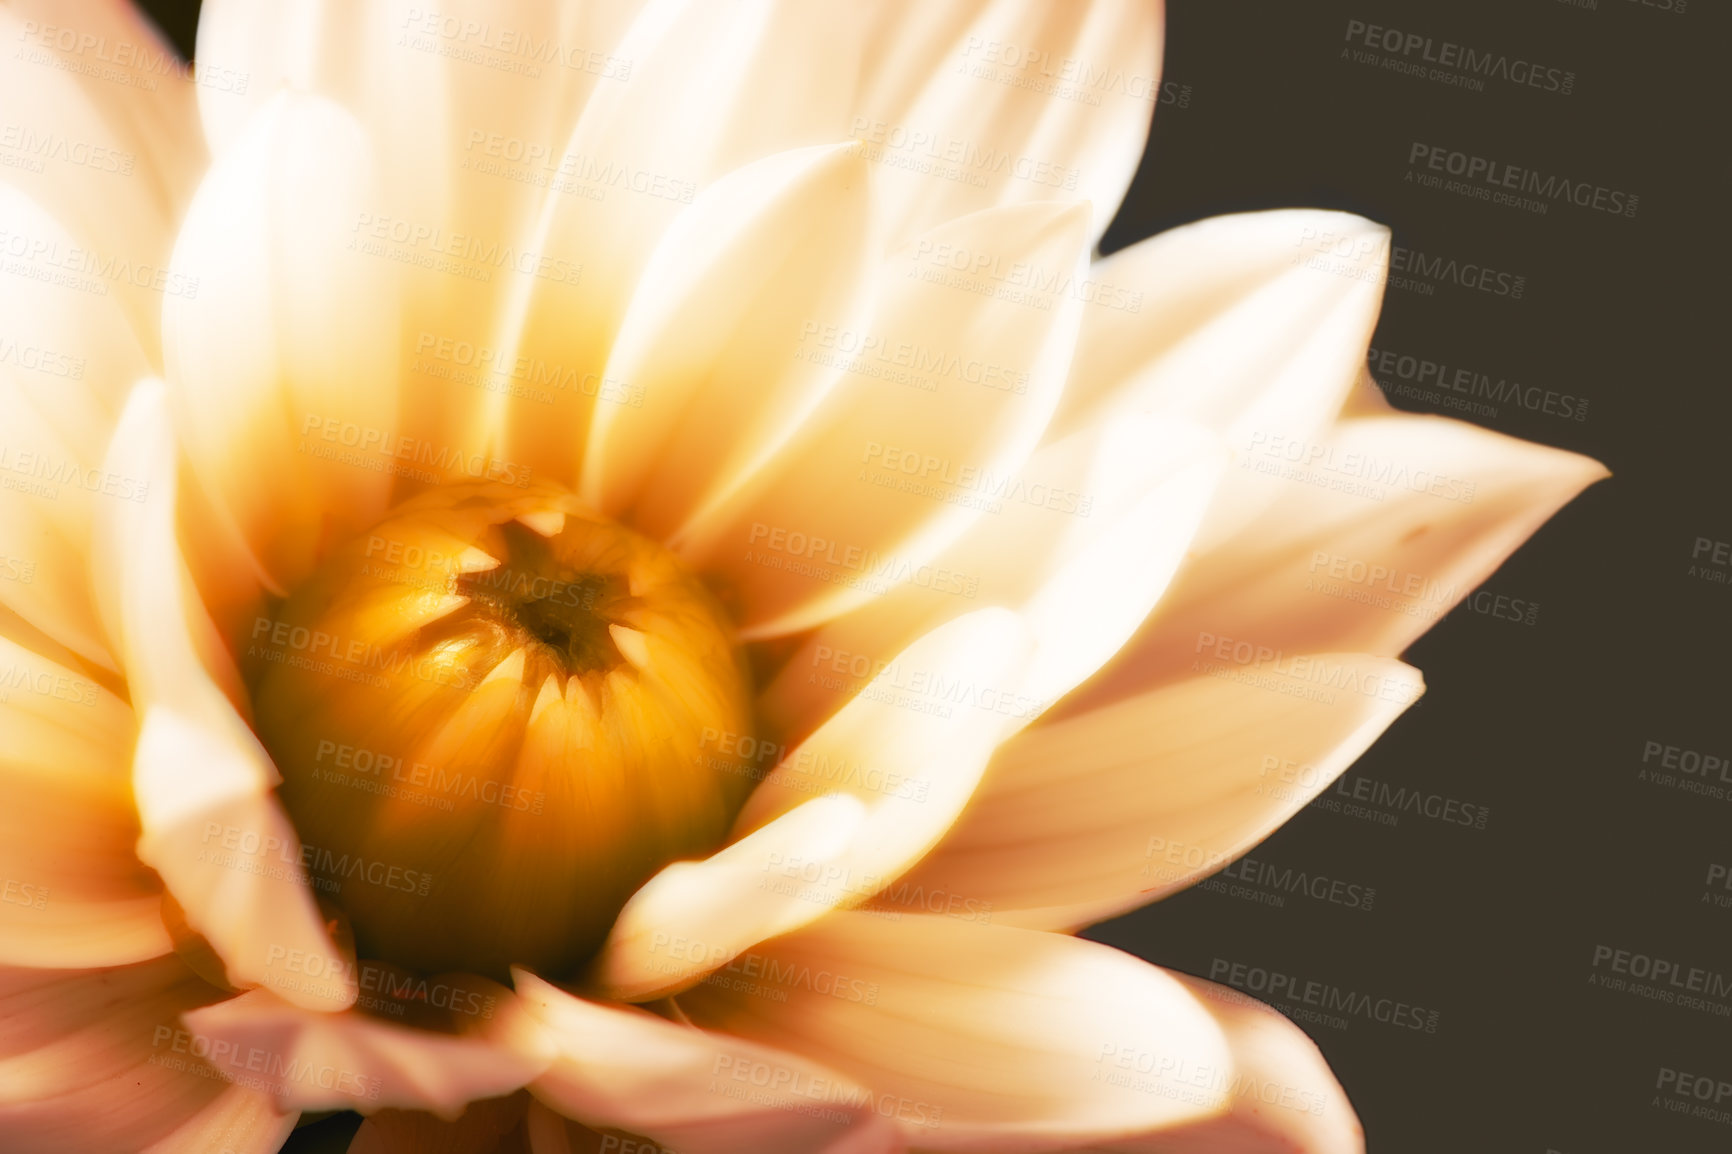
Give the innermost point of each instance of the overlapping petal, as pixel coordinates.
(100, 119)
(698, 1091)
(75, 893)
(1367, 537)
(1284, 1099)
(838, 817)
(981, 1037)
(469, 106)
(282, 365)
(967, 104)
(982, 313)
(98, 1062)
(332, 1061)
(1085, 818)
(210, 825)
(1253, 325)
(713, 86)
(1081, 541)
(70, 356)
(714, 367)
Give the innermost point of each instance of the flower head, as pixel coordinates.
(615, 567)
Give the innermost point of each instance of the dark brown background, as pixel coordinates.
(1543, 724)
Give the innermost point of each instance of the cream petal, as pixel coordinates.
(67, 358)
(1081, 541)
(1369, 536)
(1285, 1098)
(281, 364)
(202, 783)
(967, 105)
(1237, 326)
(75, 892)
(1233, 327)
(880, 478)
(978, 1037)
(468, 104)
(713, 355)
(713, 86)
(151, 110)
(1082, 819)
(839, 818)
(323, 1061)
(523, 65)
(98, 1062)
(99, 117)
(698, 1092)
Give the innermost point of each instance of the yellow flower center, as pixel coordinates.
(496, 715)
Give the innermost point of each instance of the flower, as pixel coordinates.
(531, 379)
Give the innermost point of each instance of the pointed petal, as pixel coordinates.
(355, 1060)
(698, 1092)
(1081, 541)
(713, 352)
(987, 1037)
(1254, 325)
(1082, 819)
(97, 1062)
(967, 105)
(210, 824)
(713, 86)
(469, 105)
(1369, 536)
(880, 478)
(853, 807)
(100, 125)
(67, 358)
(282, 366)
(1285, 1099)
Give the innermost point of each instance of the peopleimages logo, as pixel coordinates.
(1488, 179)
(1467, 274)
(1440, 377)
(1464, 65)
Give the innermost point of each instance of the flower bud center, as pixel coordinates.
(495, 715)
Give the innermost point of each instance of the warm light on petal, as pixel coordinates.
(983, 1037)
(71, 357)
(1081, 541)
(1285, 1099)
(838, 817)
(1249, 324)
(712, 87)
(210, 825)
(697, 1091)
(974, 82)
(1421, 511)
(77, 894)
(1082, 819)
(280, 365)
(96, 1061)
(876, 482)
(358, 1061)
(714, 367)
